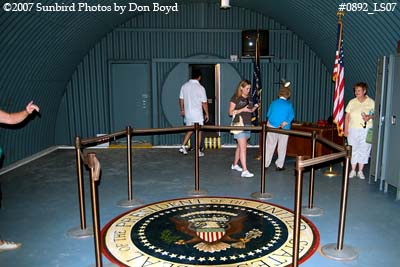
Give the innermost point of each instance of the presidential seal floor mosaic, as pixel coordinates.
(207, 231)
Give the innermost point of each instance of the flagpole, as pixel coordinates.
(258, 92)
(340, 15)
(330, 172)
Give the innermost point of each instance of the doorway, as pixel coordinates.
(130, 97)
(208, 81)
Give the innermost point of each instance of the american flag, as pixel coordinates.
(338, 78)
(256, 85)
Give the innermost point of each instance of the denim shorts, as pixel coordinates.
(244, 134)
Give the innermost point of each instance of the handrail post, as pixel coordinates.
(297, 211)
(131, 201)
(94, 166)
(311, 186)
(129, 159)
(310, 210)
(196, 156)
(343, 202)
(83, 231)
(262, 165)
(197, 191)
(339, 251)
(262, 195)
(80, 182)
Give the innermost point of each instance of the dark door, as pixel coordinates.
(130, 92)
(208, 81)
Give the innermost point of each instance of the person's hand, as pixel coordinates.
(206, 118)
(255, 108)
(283, 124)
(247, 109)
(182, 113)
(31, 107)
(364, 116)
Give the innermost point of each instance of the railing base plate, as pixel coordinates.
(347, 253)
(78, 232)
(197, 193)
(314, 211)
(262, 196)
(126, 203)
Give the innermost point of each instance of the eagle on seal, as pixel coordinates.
(215, 244)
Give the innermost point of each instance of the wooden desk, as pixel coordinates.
(301, 146)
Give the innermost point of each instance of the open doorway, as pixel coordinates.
(208, 81)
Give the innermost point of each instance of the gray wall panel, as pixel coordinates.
(216, 35)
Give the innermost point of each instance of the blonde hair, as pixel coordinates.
(242, 84)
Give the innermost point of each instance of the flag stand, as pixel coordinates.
(330, 172)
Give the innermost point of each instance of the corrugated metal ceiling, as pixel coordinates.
(53, 43)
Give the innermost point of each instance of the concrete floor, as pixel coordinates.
(40, 203)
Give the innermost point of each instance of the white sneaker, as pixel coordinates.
(8, 245)
(236, 168)
(352, 174)
(201, 154)
(360, 175)
(183, 150)
(247, 174)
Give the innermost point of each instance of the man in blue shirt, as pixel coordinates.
(280, 115)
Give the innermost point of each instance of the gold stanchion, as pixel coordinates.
(131, 201)
(297, 211)
(94, 166)
(83, 231)
(197, 192)
(260, 144)
(339, 251)
(311, 210)
(262, 195)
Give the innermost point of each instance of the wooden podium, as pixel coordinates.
(301, 146)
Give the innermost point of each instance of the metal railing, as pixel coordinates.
(302, 163)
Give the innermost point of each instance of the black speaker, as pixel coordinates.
(249, 38)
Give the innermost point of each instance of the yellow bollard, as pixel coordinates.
(212, 142)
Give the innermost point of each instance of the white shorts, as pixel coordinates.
(191, 123)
